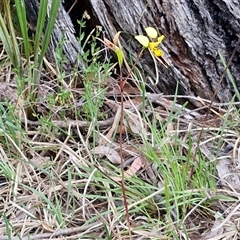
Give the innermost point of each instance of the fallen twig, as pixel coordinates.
(57, 233)
(73, 123)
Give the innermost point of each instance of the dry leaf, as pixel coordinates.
(227, 174)
(135, 166)
(40, 161)
(108, 152)
(137, 102)
(134, 124)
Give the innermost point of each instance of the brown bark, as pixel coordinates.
(195, 31)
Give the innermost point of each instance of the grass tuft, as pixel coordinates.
(60, 176)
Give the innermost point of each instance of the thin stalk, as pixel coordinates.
(121, 85)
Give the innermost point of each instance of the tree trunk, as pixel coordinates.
(63, 30)
(194, 33)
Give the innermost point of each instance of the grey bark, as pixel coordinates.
(195, 31)
(63, 30)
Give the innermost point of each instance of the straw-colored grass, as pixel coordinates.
(60, 176)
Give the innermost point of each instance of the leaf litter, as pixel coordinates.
(74, 164)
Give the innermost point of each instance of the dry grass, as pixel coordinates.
(59, 175)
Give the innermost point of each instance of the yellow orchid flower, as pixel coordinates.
(152, 42)
(152, 45)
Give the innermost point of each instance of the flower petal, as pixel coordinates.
(109, 43)
(142, 40)
(160, 39)
(157, 52)
(152, 45)
(116, 37)
(151, 32)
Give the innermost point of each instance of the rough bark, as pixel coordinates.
(63, 30)
(195, 31)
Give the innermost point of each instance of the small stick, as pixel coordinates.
(73, 123)
(57, 233)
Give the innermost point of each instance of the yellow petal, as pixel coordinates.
(160, 38)
(151, 32)
(157, 52)
(142, 40)
(152, 45)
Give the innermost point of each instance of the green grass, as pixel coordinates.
(28, 74)
(53, 181)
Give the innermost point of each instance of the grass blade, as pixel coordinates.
(8, 37)
(21, 12)
(52, 17)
